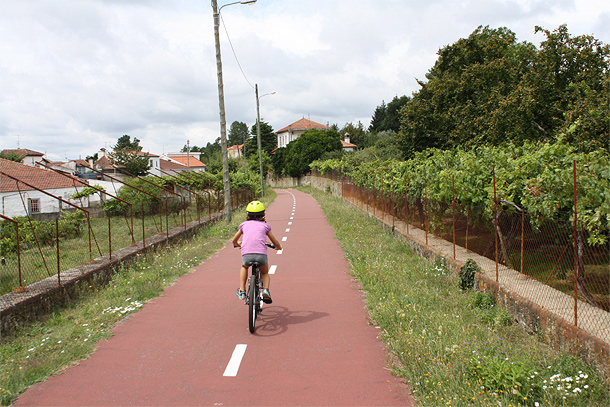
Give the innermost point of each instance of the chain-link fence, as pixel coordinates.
(547, 261)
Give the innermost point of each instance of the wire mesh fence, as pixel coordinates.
(547, 261)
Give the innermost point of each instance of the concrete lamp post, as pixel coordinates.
(258, 137)
(221, 103)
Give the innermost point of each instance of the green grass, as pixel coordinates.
(452, 347)
(70, 334)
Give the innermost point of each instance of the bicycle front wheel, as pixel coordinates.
(252, 303)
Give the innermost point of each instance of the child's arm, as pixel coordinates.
(236, 238)
(278, 245)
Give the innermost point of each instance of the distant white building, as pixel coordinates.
(347, 145)
(19, 199)
(295, 130)
(183, 161)
(235, 151)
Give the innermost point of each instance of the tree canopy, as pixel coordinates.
(238, 133)
(268, 140)
(310, 146)
(489, 89)
(11, 156)
(387, 117)
(124, 143)
(125, 153)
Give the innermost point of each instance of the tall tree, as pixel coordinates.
(378, 117)
(238, 133)
(571, 83)
(126, 153)
(464, 101)
(278, 160)
(268, 140)
(387, 117)
(490, 89)
(209, 151)
(310, 146)
(124, 143)
(391, 121)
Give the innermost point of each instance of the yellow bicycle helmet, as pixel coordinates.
(255, 207)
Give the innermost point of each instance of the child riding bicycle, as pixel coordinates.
(253, 249)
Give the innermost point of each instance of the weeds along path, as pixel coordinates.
(313, 346)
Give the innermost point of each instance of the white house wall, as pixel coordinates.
(108, 186)
(12, 204)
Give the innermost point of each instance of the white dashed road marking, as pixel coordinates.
(272, 269)
(288, 230)
(284, 239)
(233, 366)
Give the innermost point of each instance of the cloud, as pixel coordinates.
(78, 74)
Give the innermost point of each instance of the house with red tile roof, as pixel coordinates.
(173, 166)
(30, 157)
(347, 145)
(235, 151)
(296, 129)
(190, 160)
(19, 199)
(106, 165)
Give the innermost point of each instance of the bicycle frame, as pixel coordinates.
(254, 298)
(254, 293)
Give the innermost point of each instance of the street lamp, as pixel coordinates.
(258, 136)
(221, 104)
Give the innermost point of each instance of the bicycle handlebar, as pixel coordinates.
(271, 245)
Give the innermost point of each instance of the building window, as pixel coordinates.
(34, 204)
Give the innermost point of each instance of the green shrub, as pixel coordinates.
(33, 233)
(467, 274)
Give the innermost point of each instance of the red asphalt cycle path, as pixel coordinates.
(313, 346)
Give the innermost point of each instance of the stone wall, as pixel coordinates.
(321, 183)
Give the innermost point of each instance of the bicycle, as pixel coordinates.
(254, 294)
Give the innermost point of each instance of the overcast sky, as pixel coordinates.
(75, 75)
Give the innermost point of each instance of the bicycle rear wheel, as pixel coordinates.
(252, 303)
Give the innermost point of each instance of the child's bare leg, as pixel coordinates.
(265, 276)
(243, 276)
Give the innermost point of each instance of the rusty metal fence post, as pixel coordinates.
(493, 170)
(426, 208)
(453, 212)
(575, 249)
(20, 288)
(406, 205)
(57, 247)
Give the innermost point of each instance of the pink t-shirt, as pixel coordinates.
(254, 237)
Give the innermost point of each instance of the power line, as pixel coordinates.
(234, 54)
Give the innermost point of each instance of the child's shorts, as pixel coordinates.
(248, 259)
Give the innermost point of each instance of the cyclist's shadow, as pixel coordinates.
(274, 320)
